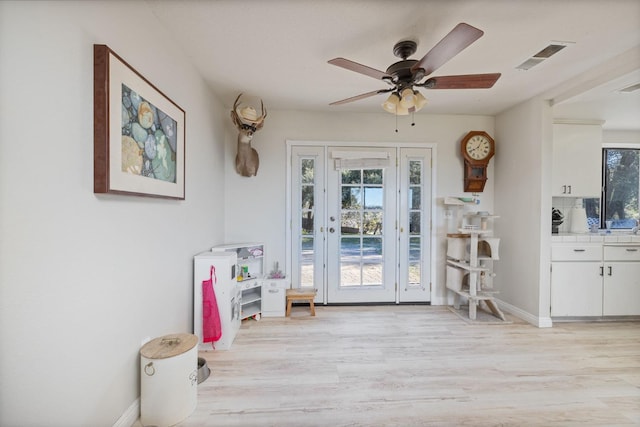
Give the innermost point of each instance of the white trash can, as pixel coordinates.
(168, 379)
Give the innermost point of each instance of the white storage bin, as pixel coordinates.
(168, 379)
(455, 278)
(273, 297)
(458, 248)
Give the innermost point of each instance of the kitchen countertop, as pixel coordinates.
(614, 237)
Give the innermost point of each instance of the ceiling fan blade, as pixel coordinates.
(467, 81)
(361, 96)
(451, 45)
(359, 68)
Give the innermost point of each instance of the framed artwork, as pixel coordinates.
(139, 133)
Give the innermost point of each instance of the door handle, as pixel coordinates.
(564, 189)
(569, 189)
(601, 270)
(610, 270)
(632, 250)
(578, 250)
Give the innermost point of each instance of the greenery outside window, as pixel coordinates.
(621, 185)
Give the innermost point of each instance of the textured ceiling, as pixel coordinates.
(278, 50)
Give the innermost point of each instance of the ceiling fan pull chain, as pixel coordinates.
(413, 119)
(396, 121)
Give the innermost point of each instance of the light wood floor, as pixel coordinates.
(421, 366)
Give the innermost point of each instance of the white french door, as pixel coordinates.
(307, 219)
(414, 242)
(361, 223)
(361, 207)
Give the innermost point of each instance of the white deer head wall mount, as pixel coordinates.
(248, 122)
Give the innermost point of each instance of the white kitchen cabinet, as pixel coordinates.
(576, 289)
(621, 288)
(577, 160)
(594, 280)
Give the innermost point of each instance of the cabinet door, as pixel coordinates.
(576, 289)
(621, 296)
(577, 160)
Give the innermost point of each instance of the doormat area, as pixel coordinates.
(482, 317)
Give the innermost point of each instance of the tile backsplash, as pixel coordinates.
(565, 204)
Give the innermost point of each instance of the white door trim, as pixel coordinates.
(435, 300)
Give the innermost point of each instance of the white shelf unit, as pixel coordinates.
(471, 252)
(250, 259)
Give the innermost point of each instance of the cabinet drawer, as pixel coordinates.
(622, 253)
(576, 252)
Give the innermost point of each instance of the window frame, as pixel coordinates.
(604, 182)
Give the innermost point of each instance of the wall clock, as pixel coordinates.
(477, 149)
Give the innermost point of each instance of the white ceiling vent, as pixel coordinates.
(631, 88)
(546, 53)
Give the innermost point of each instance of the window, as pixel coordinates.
(621, 184)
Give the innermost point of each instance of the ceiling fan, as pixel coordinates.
(406, 74)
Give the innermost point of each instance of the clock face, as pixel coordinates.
(478, 147)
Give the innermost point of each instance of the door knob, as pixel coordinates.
(331, 230)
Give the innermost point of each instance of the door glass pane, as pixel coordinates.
(352, 176)
(372, 223)
(372, 274)
(350, 222)
(307, 196)
(372, 249)
(361, 258)
(415, 172)
(373, 197)
(307, 221)
(372, 176)
(306, 172)
(415, 197)
(351, 197)
(350, 254)
(306, 261)
(414, 222)
(415, 184)
(415, 263)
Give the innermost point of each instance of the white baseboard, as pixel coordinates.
(540, 322)
(130, 416)
(440, 301)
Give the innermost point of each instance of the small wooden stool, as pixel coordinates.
(301, 295)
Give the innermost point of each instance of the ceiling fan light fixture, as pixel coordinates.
(401, 111)
(391, 104)
(421, 101)
(408, 98)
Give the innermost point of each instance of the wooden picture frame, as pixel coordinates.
(139, 133)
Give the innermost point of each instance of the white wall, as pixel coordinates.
(620, 137)
(523, 199)
(255, 207)
(84, 278)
